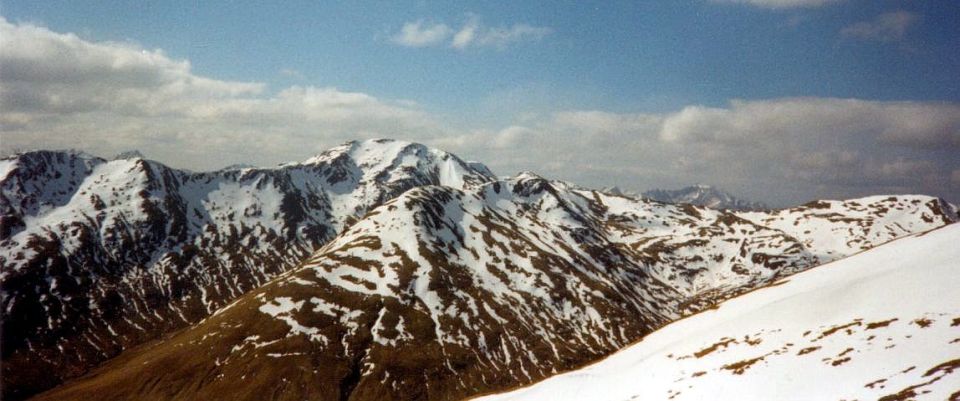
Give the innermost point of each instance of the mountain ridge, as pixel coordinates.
(490, 287)
(409, 258)
(846, 337)
(93, 247)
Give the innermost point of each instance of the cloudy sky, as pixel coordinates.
(780, 101)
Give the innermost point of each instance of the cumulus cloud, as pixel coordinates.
(500, 37)
(60, 91)
(472, 34)
(420, 34)
(911, 124)
(62, 73)
(780, 150)
(466, 34)
(887, 27)
(826, 160)
(781, 4)
(842, 144)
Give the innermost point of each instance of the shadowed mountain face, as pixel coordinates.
(443, 293)
(703, 195)
(98, 256)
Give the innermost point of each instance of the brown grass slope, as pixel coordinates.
(242, 353)
(140, 249)
(442, 294)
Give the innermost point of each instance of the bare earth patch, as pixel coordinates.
(923, 322)
(875, 383)
(724, 342)
(835, 329)
(739, 367)
(877, 325)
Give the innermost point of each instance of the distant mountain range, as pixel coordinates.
(703, 195)
(376, 270)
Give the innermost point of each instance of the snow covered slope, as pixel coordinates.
(444, 293)
(883, 324)
(703, 195)
(844, 227)
(100, 255)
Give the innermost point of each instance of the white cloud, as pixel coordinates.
(503, 36)
(466, 35)
(904, 168)
(63, 73)
(779, 150)
(510, 136)
(826, 160)
(781, 4)
(888, 27)
(911, 124)
(472, 34)
(60, 91)
(419, 34)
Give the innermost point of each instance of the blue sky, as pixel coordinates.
(622, 56)
(528, 63)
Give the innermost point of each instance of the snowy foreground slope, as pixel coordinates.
(883, 324)
(442, 293)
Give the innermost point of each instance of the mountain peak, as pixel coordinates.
(555, 276)
(703, 195)
(614, 190)
(124, 214)
(61, 153)
(129, 154)
(370, 147)
(375, 259)
(380, 155)
(527, 175)
(237, 166)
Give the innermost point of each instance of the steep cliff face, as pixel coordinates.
(443, 293)
(98, 256)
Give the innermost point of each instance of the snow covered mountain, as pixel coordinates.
(446, 292)
(883, 324)
(703, 195)
(101, 255)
